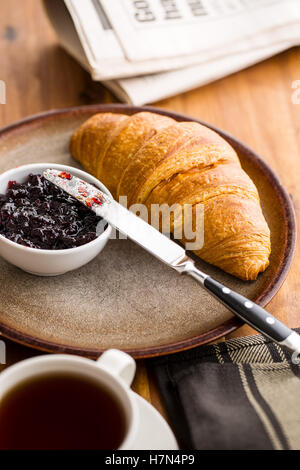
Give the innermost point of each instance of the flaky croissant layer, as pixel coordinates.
(152, 159)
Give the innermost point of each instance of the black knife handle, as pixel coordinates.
(244, 308)
(250, 312)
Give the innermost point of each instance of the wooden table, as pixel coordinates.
(255, 105)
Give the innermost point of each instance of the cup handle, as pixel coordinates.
(119, 364)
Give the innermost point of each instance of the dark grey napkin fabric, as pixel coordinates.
(241, 394)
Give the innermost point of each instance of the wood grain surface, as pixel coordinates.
(255, 105)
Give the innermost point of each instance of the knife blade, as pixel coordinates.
(119, 217)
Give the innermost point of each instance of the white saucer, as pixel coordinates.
(155, 433)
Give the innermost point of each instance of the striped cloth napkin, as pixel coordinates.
(238, 395)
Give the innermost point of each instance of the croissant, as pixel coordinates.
(153, 159)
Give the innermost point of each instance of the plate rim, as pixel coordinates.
(226, 327)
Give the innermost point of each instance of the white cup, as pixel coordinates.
(114, 370)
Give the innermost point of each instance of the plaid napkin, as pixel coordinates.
(238, 395)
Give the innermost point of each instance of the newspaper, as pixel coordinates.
(151, 88)
(146, 50)
(154, 33)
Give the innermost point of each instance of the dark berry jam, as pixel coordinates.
(37, 214)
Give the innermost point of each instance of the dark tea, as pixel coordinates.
(61, 411)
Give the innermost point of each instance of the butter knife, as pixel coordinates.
(175, 257)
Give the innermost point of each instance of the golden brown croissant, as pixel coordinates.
(152, 159)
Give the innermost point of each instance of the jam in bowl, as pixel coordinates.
(43, 230)
(37, 214)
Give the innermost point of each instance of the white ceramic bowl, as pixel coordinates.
(49, 262)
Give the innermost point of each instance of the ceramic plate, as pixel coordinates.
(125, 298)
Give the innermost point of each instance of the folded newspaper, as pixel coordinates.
(148, 50)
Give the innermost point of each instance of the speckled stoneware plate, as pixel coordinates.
(125, 298)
